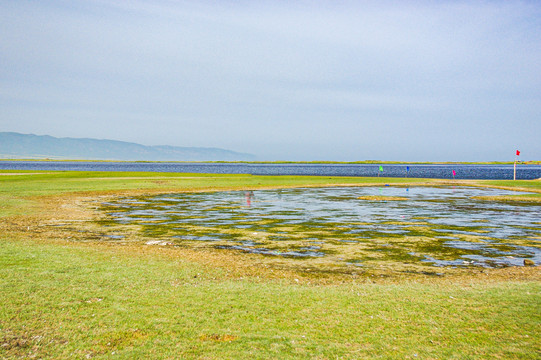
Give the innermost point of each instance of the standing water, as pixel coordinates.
(356, 226)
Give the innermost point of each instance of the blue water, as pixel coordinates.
(496, 172)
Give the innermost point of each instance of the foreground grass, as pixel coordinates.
(71, 300)
(61, 301)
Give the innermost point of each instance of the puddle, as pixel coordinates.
(114, 237)
(431, 226)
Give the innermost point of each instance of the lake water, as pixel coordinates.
(431, 226)
(497, 172)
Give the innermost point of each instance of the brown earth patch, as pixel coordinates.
(218, 337)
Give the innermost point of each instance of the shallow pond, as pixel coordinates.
(356, 226)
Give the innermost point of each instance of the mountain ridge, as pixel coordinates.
(30, 146)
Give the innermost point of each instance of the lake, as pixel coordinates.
(435, 171)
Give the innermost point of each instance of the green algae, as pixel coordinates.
(302, 224)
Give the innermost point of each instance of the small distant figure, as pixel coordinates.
(454, 174)
(249, 197)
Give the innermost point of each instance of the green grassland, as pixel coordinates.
(61, 299)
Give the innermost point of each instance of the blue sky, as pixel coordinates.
(284, 80)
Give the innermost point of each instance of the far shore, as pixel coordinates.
(315, 162)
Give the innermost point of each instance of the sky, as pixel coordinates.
(283, 80)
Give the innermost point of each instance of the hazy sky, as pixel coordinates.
(284, 80)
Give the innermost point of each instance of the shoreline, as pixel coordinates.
(285, 162)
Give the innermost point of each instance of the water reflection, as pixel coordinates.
(435, 226)
(249, 197)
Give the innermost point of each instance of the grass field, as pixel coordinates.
(61, 298)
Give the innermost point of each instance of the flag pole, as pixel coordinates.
(517, 153)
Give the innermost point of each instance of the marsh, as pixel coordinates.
(347, 226)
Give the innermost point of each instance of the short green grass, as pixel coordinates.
(11, 205)
(534, 185)
(52, 183)
(61, 300)
(96, 302)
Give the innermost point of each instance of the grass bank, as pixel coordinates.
(65, 299)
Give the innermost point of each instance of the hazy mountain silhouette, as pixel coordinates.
(27, 146)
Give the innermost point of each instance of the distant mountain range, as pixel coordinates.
(27, 146)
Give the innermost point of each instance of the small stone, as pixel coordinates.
(528, 262)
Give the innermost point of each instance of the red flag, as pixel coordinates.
(518, 153)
